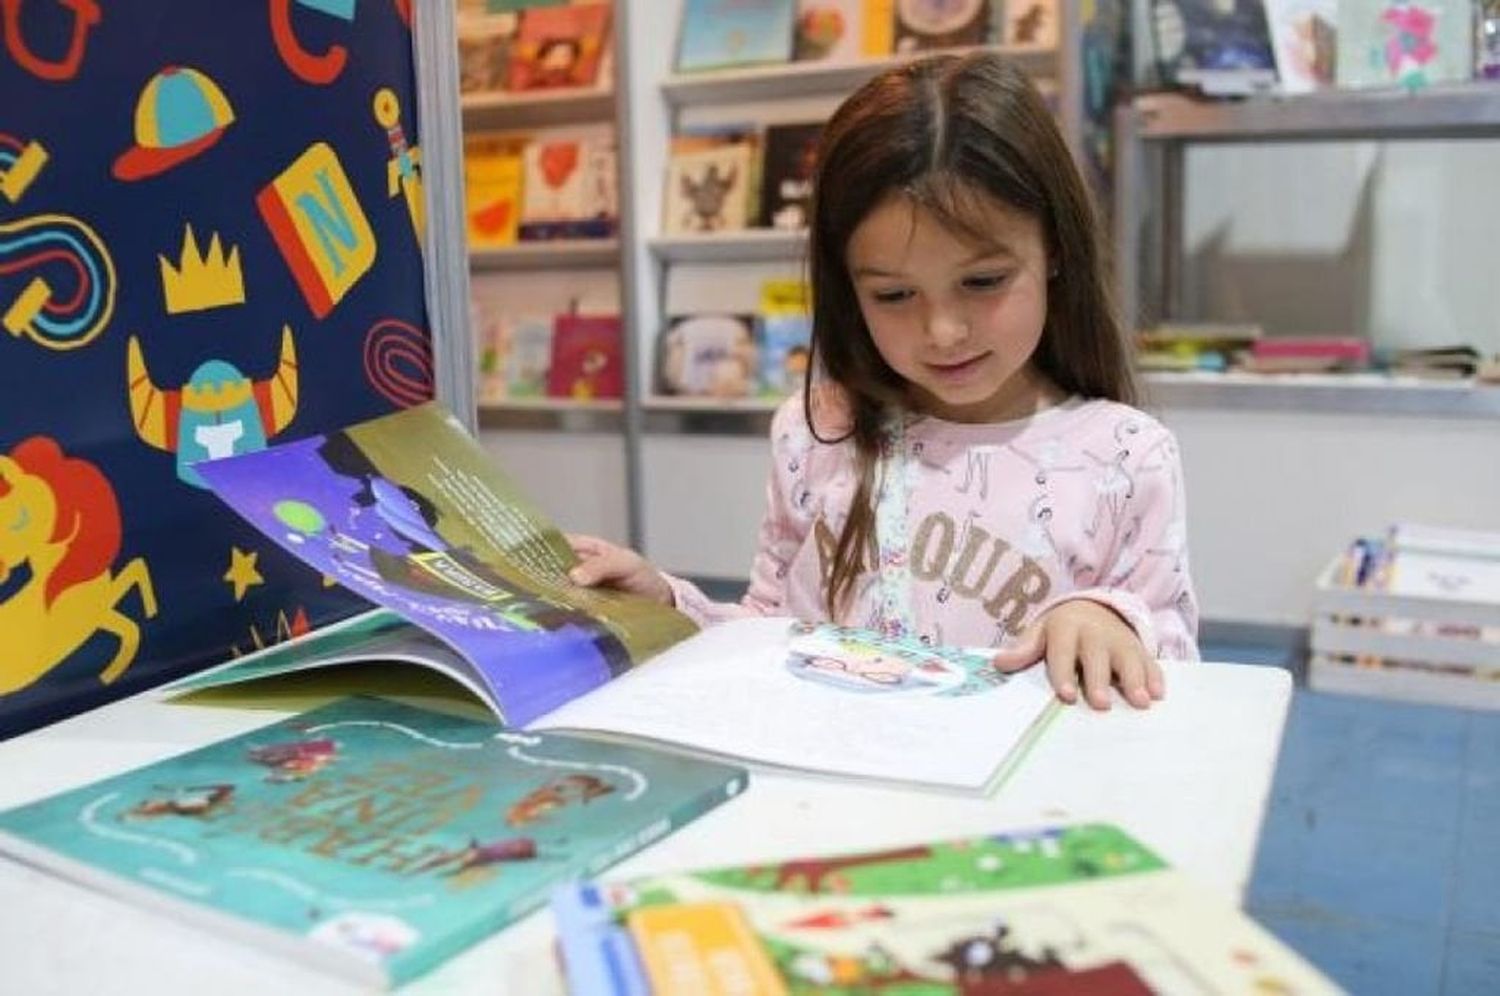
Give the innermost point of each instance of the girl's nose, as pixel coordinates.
(946, 328)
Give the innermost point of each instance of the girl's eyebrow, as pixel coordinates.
(990, 252)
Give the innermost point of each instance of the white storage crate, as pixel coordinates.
(1438, 647)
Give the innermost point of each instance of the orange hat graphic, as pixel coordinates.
(180, 113)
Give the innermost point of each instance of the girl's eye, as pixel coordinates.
(985, 282)
(890, 296)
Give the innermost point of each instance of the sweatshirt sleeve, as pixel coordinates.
(1145, 577)
(783, 530)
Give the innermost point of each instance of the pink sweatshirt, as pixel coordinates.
(1004, 521)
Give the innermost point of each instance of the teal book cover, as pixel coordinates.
(721, 34)
(367, 837)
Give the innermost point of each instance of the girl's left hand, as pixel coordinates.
(1084, 638)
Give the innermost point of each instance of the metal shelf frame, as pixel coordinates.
(1152, 135)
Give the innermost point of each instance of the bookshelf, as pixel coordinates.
(1153, 134)
(650, 276)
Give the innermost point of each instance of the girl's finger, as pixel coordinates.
(1025, 652)
(1093, 659)
(1130, 672)
(1156, 682)
(1062, 661)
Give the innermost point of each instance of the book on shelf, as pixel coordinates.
(525, 354)
(726, 34)
(1081, 908)
(1306, 354)
(790, 158)
(559, 46)
(485, 41)
(710, 356)
(366, 837)
(785, 336)
(586, 363)
(1408, 45)
(408, 511)
(1436, 362)
(830, 31)
(1465, 686)
(922, 25)
(493, 176)
(569, 188)
(711, 177)
(1030, 24)
(1304, 37)
(1223, 49)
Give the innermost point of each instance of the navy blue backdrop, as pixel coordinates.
(283, 130)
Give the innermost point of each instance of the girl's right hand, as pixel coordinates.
(601, 563)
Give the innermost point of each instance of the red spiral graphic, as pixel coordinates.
(398, 362)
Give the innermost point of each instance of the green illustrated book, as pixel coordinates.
(366, 837)
(1063, 910)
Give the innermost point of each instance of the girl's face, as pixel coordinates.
(958, 321)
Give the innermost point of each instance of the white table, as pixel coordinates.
(1189, 779)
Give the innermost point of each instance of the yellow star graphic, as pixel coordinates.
(242, 573)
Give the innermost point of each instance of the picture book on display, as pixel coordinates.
(408, 512)
(1070, 909)
(493, 169)
(559, 46)
(1221, 48)
(568, 190)
(585, 361)
(710, 179)
(829, 30)
(711, 355)
(1404, 44)
(366, 837)
(1304, 34)
(932, 24)
(721, 34)
(791, 156)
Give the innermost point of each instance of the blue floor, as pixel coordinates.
(1379, 860)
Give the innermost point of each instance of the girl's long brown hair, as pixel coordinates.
(947, 132)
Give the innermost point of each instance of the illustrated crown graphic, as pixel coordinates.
(201, 282)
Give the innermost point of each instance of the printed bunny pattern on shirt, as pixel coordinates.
(1003, 522)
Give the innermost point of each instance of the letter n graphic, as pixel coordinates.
(319, 227)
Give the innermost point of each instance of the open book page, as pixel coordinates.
(823, 699)
(409, 512)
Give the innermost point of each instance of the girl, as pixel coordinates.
(966, 468)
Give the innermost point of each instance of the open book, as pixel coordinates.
(408, 511)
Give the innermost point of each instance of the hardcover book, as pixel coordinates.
(710, 356)
(931, 24)
(1067, 909)
(786, 336)
(525, 354)
(1030, 24)
(493, 169)
(559, 46)
(367, 837)
(723, 34)
(1305, 36)
(569, 188)
(709, 180)
(1410, 45)
(585, 361)
(408, 512)
(1221, 48)
(791, 156)
(829, 31)
(485, 42)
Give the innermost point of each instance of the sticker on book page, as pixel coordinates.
(865, 662)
